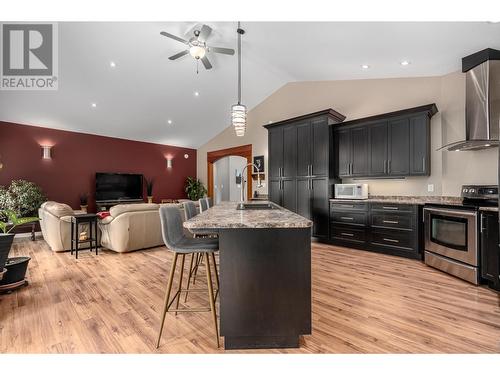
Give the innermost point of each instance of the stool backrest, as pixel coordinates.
(171, 226)
(203, 204)
(190, 210)
(210, 202)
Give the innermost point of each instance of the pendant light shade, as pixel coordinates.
(239, 119)
(239, 111)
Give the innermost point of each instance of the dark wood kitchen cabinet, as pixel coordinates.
(490, 252)
(387, 228)
(300, 173)
(395, 144)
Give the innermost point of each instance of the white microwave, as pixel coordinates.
(351, 191)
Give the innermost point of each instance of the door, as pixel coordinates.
(378, 149)
(419, 146)
(344, 152)
(319, 206)
(288, 194)
(399, 147)
(304, 149)
(289, 151)
(320, 146)
(275, 191)
(304, 197)
(490, 260)
(359, 153)
(275, 152)
(451, 233)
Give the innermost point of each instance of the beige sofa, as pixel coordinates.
(55, 223)
(132, 227)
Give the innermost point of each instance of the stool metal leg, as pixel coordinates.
(167, 297)
(216, 276)
(72, 238)
(180, 283)
(211, 297)
(189, 276)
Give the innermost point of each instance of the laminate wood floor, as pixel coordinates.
(362, 303)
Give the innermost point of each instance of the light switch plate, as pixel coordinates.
(430, 188)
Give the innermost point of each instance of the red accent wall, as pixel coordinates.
(76, 157)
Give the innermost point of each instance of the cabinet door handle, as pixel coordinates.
(390, 208)
(423, 164)
(346, 218)
(390, 222)
(311, 173)
(347, 234)
(385, 166)
(347, 205)
(482, 223)
(391, 240)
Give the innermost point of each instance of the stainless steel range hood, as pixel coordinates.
(482, 101)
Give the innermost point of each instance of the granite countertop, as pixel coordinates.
(407, 200)
(225, 215)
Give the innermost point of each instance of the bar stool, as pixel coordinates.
(182, 245)
(203, 204)
(210, 202)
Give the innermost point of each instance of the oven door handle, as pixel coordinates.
(451, 212)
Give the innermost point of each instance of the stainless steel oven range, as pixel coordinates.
(452, 233)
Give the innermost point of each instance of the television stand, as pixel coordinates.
(106, 205)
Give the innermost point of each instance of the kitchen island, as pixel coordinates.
(265, 273)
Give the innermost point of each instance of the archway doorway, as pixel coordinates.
(212, 156)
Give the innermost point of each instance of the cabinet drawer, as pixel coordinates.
(395, 238)
(393, 207)
(348, 206)
(400, 220)
(350, 234)
(349, 217)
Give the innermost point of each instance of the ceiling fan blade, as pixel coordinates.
(177, 55)
(226, 51)
(204, 33)
(164, 33)
(206, 63)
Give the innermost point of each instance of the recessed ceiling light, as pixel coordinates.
(269, 122)
(196, 93)
(487, 145)
(405, 62)
(169, 122)
(457, 150)
(112, 64)
(93, 105)
(365, 66)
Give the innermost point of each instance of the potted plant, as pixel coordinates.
(84, 202)
(8, 221)
(195, 189)
(149, 189)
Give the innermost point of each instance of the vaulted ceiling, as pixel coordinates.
(137, 97)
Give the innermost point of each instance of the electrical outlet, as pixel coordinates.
(430, 188)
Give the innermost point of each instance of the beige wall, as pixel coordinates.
(361, 98)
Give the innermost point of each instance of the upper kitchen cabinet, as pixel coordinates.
(395, 144)
(300, 173)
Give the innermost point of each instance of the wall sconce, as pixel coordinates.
(47, 152)
(169, 163)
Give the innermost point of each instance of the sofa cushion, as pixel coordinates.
(133, 207)
(57, 209)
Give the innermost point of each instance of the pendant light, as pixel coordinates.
(239, 111)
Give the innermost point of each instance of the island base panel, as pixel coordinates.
(265, 286)
(261, 342)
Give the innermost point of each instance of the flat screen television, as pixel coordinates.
(118, 186)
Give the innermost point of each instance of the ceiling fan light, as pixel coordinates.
(239, 118)
(197, 52)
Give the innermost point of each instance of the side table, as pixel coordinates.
(76, 220)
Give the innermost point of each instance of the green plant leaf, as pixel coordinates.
(3, 226)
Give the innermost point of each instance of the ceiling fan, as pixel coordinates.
(197, 46)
